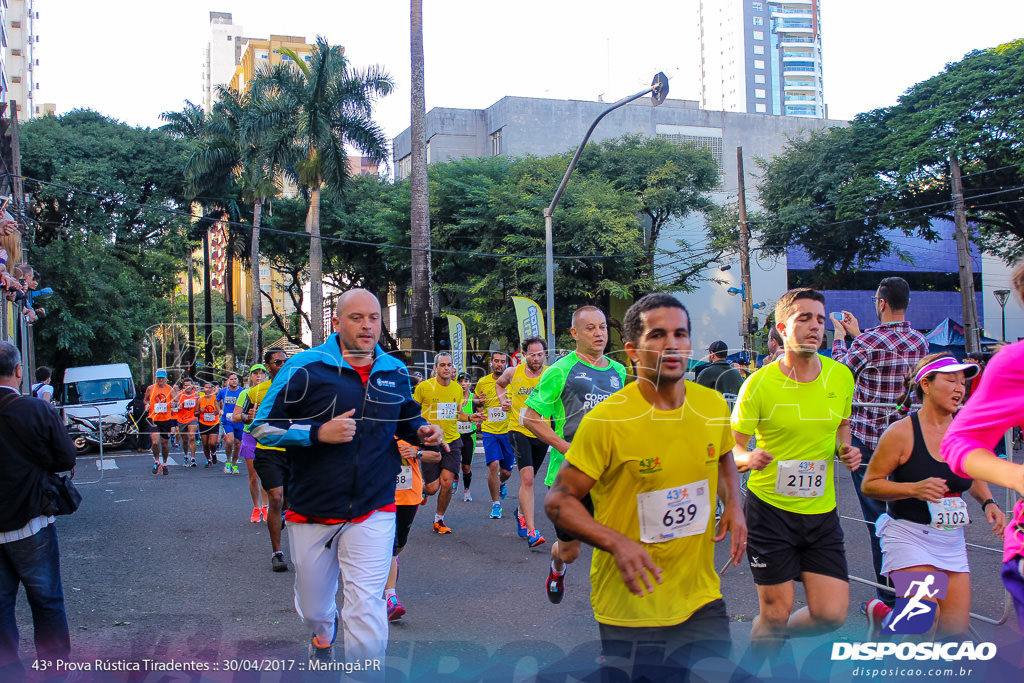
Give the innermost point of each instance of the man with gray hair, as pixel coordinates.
(35, 444)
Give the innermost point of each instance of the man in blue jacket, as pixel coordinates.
(337, 409)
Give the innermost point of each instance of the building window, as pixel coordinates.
(229, 38)
(285, 58)
(759, 93)
(15, 24)
(760, 108)
(759, 79)
(759, 49)
(758, 63)
(758, 35)
(16, 53)
(757, 7)
(758, 21)
(496, 143)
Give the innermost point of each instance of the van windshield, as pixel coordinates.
(98, 390)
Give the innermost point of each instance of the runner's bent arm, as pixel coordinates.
(733, 520)
(993, 514)
(562, 505)
(893, 450)
(847, 453)
(746, 460)
(541, 428)
(500, 385)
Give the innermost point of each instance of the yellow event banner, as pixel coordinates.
(529, 318)
(457, 332)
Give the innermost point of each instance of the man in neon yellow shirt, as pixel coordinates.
(799, 409)
(497, 448)
(653, 457)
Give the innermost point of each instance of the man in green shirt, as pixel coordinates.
(567, 391)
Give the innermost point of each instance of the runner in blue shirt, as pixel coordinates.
(226, 398)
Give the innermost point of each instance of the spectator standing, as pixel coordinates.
(719, 374)
(43, 389)
(879, 359)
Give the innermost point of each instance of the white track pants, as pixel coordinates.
(361, 554)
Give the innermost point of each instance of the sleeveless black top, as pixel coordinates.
(921, 465)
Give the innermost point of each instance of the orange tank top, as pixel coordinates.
(409, 484)
(160, 403)
(187, 404)
(208, 414)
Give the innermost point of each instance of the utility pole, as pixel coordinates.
(963, 255)
(748, 296)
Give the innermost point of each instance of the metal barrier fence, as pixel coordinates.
(1011, 499)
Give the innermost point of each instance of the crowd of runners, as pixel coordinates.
(345, 444)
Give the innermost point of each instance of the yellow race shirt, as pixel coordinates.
(518, 390)
(440, 405)
(662, 468)
(795, 421)
(497, 419)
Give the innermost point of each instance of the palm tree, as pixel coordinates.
(423, 314)
(304, 116)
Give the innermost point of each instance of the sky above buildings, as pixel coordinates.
(133, 60)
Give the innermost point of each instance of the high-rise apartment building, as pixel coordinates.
(20, 60)
(221, 55)
(762, 57)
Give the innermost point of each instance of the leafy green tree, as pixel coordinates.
(671, 183)
(304, 116)
(101, 233)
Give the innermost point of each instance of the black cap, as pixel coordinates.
(718, 348)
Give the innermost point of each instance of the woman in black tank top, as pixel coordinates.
(923, 527)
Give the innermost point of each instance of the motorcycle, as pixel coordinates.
(118, 430)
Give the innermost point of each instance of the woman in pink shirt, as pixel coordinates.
(968, 445)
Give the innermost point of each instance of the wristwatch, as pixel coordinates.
(991, 501)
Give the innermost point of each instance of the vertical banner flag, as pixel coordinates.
(529, 318)
(457, 332)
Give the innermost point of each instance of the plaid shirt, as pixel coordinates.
(879, 359)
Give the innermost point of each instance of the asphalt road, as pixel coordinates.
(170, 569)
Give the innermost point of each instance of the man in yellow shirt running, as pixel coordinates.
(497, 448)
(653, 457)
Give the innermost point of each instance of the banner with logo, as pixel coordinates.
(457, 332)
(529, 318)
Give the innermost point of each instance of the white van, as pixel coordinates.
(107, 387)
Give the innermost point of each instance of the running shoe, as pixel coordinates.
(208, 465)
(234, 468)
(467, 497)
(877, 612)
(495, 510)
(534, 538)
(192, 462)
(455, 486)
(520, 524)
(156, 466)
(277, 562)
(163, 468)
(556, 586)
(320, 652)
(263, 511)
(504, 491)
(255, 516)
(440, 528)
(227, 468)
(395, 609)
(214, 458)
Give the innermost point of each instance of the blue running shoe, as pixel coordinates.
(504, 491)
(520, 524)
(495, 510)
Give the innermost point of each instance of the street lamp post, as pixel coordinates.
(658, 91)
(1001, 296)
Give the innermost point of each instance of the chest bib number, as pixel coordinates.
(446, 411)
(160, 408)
(949, 513)
(465, 427)
(209, 417)
(674, 513)
(403, 481)
(801, 478)
(189, 403)
(496, 415)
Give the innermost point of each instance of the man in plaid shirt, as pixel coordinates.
(879, 358)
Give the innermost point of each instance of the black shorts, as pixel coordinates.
(564, 535)
(163, 427)
(209, 429)
(272, 467)
(530, 451)
(450, 460)
(781, 545)
(404, 514)
(705, 632)
(468, 449)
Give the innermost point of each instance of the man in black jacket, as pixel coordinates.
(719, 374)
(337, 409)
(35, 442)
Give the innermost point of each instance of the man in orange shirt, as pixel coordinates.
(209, 423)
(187, 402)
(158, 399)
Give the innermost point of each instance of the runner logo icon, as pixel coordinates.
(914, 612)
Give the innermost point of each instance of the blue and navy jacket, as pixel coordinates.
(341, 481)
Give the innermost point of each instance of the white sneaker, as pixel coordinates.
(467, 497)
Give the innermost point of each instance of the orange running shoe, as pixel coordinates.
(255, 516)
(263, 511)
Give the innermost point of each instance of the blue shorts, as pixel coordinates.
(233, 428)
(497, 447)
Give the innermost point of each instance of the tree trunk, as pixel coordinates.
(229, 300)
(316, 266)
(190, 360)
(208, 313)
(257, 300)
(422, 311)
